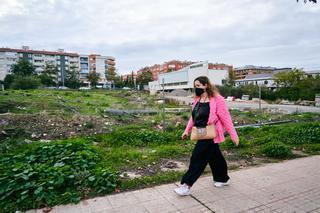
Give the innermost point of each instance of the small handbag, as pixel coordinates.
(202, 133)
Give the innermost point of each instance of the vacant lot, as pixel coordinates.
(62, 146)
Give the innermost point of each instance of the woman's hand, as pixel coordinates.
(236, 141)
(184, 136)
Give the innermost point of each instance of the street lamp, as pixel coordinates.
(163, 109)
(260, 111)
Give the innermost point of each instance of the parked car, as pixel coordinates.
(63, 87)
(84, 88)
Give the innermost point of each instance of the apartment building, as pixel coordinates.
(84, 68)
(127, 77)
(100, 64)
(63, 60)
(168, 66)
(39, 58)
(242, 72)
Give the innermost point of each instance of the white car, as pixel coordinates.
(84, 88)
(62, 87)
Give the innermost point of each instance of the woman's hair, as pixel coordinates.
(212, 90)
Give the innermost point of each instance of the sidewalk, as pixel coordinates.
(290, 186)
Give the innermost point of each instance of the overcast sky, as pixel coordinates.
(281, 33)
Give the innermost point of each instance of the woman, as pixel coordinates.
(212, 109)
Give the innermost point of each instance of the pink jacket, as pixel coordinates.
(220, 115)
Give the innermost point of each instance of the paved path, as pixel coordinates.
(289, 186)
(255, 105)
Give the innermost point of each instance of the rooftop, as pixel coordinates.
(45, 52)
(255, 67)
(257, 77)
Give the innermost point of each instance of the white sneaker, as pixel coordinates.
(183, 190)
(221, 184)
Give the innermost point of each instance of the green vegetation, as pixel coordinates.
(276, 149)
(35, 174)
(50, 174)
(293, 86)
(41, 174)
(67, 102)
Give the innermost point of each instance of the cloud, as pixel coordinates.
(141, 32)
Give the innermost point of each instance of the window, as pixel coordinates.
(195, 66)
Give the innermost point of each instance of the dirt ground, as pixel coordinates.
(49, 127)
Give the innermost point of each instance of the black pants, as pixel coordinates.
(204, 152)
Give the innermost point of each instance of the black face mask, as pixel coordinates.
(199, 91)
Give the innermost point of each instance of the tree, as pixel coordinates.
(231, 78)
(118, 82)
(23, 76)
(289, 78)
(23, 68)
(93, 77)
(7, 81)
(295, 85)
(145, 76)
(111, 73)
(49, 75)
(72, 78)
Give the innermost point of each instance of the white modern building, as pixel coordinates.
(184, 78)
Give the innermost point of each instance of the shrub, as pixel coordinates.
(276, 149)
(8, 81)
(50, 174)
(27, 82)
(245, 130)
(263, 140)
(305, 133)
(293, 134)
(228, 143)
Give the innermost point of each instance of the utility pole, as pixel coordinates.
(163, 109)
(260, 112)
